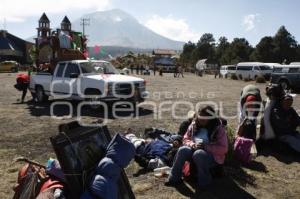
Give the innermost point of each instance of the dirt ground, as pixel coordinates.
(25, 130)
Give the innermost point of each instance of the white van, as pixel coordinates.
(227, 70)
(273, 65)
(251, 70)
(295, 63)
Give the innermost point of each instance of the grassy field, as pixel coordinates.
(25, 130)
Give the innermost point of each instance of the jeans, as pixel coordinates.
(292, 140)
(203, 161)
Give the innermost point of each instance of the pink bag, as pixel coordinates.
(242, 148)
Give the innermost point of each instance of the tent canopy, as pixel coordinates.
(201, 64)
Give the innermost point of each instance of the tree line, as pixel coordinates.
(280, 48)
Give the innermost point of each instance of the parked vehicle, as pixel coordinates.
(125, 71)
(167, 69)
(88, 80)
(287, 75)
(273, 65)
(251, 70)
(227, 70)
(295, 63)
(9, 66)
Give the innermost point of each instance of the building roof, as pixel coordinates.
(9, 44)
(44, 18)
(129, 56)
(163, 52)
(66, 20)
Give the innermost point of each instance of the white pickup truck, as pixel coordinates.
(87, 80)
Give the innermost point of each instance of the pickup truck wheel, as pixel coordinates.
(40, 95)
(284, 84)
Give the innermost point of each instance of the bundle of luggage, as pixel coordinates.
(89, 165)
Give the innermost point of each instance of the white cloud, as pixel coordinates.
(172, 28)
(249, 21)
(19, 10)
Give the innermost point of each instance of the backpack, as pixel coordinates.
(247, 129)
(242, 149)
(30, 179)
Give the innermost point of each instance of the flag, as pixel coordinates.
(96, 49)
(103, 51)
(76, 40)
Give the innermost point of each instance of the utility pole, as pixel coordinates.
(84, 22)
(4, 23)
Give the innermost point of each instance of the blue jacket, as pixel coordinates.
(157, 148)
(104, 183)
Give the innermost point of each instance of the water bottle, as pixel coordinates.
(253, 152)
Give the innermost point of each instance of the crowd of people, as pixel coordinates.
(142, 70)
(201, 143)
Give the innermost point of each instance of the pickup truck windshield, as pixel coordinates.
(98, 67)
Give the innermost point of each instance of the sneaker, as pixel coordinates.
(171, 183)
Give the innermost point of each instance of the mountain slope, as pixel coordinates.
(117, 28)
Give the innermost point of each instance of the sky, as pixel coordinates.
(182, 20)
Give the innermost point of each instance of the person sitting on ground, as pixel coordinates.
(274, 93)
(250, 100)
(186, 123)
(205, 144)
(155, 151)
(285, 120)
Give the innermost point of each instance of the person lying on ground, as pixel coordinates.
(205, 145)
(285, 120)
(152, 153)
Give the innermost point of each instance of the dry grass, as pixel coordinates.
(25, 130)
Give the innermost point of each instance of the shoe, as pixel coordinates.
(171, 183)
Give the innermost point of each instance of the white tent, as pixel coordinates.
(201, 64)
